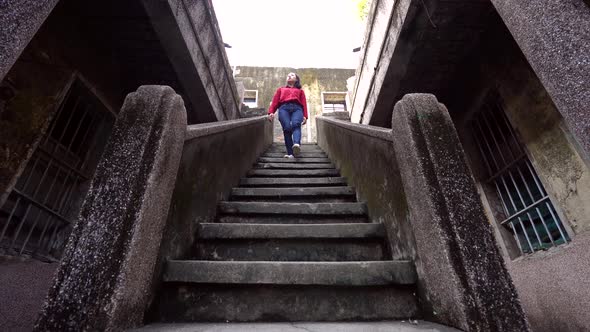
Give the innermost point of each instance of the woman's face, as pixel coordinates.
(291, 78)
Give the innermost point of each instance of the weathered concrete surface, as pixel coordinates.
(293, 208)
(554, 286)
(374, 173)
(189, 33)
(556, 42)
(278, 147)
(293, 172)
(286, 303)
(419, 46)
(293, 181)
(23, 286)
(399, 326)
(302, 249)
(500, 68)
(296, 165)
(384, 27)
(301, 155)
(257, 231)
(279, 193)
(20, 21)
(300, 219)
(463, 280)
(104, 278)
(293, 273)
(292, 160)
(205, 177)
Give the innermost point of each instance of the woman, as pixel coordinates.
(292, 106)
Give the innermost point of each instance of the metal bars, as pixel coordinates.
(35, 219)
(531, 216)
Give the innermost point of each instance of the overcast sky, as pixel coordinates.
(296, 33)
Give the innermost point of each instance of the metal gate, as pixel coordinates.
(36, 218)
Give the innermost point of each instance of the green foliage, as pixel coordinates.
(363, 7)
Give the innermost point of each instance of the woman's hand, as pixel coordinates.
(271, 116)
(304, 121)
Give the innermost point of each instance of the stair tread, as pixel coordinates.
(301, 155)
(334, 208)
(298, 191)
(365, 273)
(352, 326)
(294, 165)
(270, 219)
(276, 231)
(336, 180)
(286, 303)
(293, 172)
(293, 160)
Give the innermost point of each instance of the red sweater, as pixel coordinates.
(288, 94)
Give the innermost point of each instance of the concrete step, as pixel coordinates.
(384, 326)
(304, 148)
(291, 250)
(301, 155)
(295, 165)
(333, 209)
(300, 182)
(293, 172)
(191, 302)
(294, 160)
(290, 219)
(265, 231)
(304, 192)
(267, 242)
(366, 273)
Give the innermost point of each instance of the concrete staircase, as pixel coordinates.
(292, 243)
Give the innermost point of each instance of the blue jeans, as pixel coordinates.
(291, 116)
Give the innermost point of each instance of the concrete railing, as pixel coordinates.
(415, 179)
(215, 156)
(152, 162)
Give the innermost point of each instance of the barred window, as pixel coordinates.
(36, 218)
(529, 213)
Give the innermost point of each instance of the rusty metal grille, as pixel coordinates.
(531, 216)
(36, 217)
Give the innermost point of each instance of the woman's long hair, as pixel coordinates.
(297, 82)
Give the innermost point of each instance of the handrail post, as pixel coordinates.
(461, 272)
(103, 281)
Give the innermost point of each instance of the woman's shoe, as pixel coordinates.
(296, 149)
(288, 156)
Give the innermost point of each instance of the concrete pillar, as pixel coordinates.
(104, 278)
(554, 36)
(462, 276)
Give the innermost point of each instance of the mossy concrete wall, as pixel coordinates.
(313, 80)
(35, 85)
(553, 151)
(547, 282)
